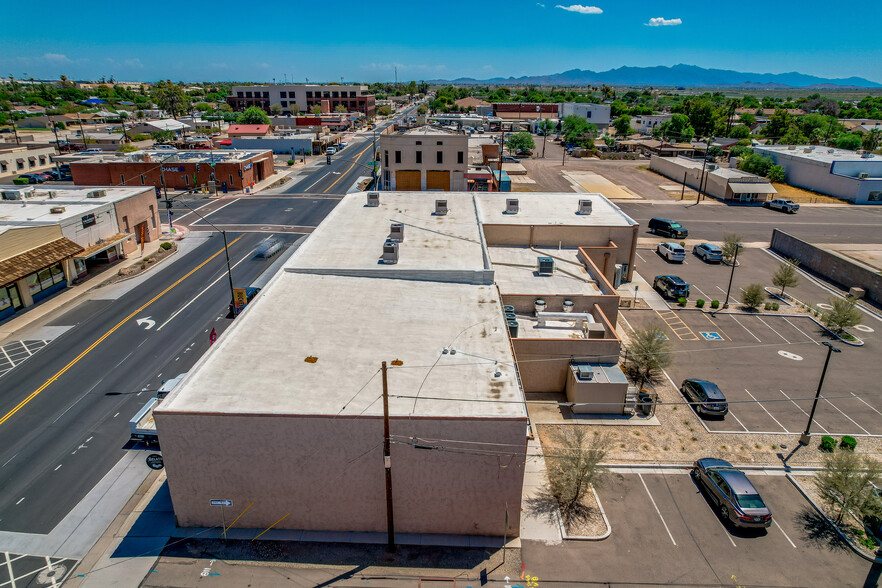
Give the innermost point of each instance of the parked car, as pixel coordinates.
(509, 159)
(33, 178)
(671, 252)
(671, 286)
(782, 204)
(708, 252)
(525, 154)
(54, 174)
(45, 175)
(667, 228)
(709, 399)
(737, 500)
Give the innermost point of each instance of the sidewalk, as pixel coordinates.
(33, 314)
(644, 291)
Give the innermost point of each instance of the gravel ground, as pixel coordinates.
(849, 525)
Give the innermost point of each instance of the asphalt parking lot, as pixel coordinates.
(665, 532)
(769, 367)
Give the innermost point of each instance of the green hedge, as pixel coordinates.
(848, 442)
(828, 443)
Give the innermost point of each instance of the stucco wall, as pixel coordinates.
(328, 472)
(817, 176)
(839, 269)
(137, 209)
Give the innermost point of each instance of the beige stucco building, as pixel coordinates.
(424, 159)
(284, 414)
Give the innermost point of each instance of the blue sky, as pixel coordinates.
(364, 41)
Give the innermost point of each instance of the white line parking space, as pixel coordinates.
(658, 512)
(16, 352)
(17, 570)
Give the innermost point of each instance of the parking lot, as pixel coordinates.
(21, 571)
(665, 532)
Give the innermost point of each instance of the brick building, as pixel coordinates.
(178, 169)
(300, 97)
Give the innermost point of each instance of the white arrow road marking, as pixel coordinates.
(146, 321)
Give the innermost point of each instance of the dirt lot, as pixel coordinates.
(804, 196)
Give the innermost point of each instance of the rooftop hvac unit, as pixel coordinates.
(711, 167)
(390, 252)
(97, 194)
(584, 373)
(52, 193)
(11, 195)
(56, 209)
(866, 155)
(807, 150)
(791, 148)
(373, 199)
(396, 233)
(440, 207)
(545, 266)
(511, 206)
(584, 207)
(863, 176)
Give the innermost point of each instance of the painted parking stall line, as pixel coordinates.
(655, 506)
(15, 353)
(734, 318)
(802, 410)
(762, 406)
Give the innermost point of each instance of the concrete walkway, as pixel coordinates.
(538, 522)
(644, 291)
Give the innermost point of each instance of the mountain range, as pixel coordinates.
(676, 76)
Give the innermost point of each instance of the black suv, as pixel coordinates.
(667, 228)
(671, 286)
(709, 398)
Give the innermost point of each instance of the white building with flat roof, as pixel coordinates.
(850, 175)
(285, 412)
(424, 158)
(596, 114)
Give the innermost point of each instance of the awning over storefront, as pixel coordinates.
(753, 188)
(104, 245)
(20, 160)
(16, 268)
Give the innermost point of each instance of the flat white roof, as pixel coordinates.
(14, 213)
(350, 325)
(823, 154)
(550, 209)
(350, 239)
(64, 195)
(515, 270)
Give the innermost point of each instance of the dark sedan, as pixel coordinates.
(736, 499)
(706, 397)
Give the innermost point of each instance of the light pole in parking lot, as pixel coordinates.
(738, 246)
(806, 437)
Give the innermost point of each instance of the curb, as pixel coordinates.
(107, 282)
(607, 533)
(680, 466)
(839, 531)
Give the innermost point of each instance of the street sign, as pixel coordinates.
(221, 502)
(154, 461)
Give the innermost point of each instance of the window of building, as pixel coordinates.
(387, 159)
(335, 94)
(88, 220)
(326, 94)
(398, 157)
(284, 103)
(588, 114)
(239, 95)
(126, 224)
(2, 166)
(42, 160)
(459, 157)
(142, 179)
(419, 156)
(231, 180)
(186, 179)
(283, 94)
(19, 163)
(152, 217)
(440, 157)
(248, 94)
(419, 142)
(57, 273)
(122, 179)
(352, 94)
(440, 142)
(309, 94)
(266, 94)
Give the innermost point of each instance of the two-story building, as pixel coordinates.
(296, 98)
(424, 158)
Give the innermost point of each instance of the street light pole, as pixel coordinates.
(805, 439)
(732, 274)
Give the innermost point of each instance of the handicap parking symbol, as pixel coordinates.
(711, 335)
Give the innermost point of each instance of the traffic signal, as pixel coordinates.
(329, 160)
(240, 173)
(197, 168)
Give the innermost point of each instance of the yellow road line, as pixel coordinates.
(348, 170)
(73, 362)
(719, 330)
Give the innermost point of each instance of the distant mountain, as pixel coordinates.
(676, 76)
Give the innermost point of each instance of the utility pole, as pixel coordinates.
(683, 190)
(57, 145)
(14, 130)
(387, 465)
(805, 439)
(82, 131)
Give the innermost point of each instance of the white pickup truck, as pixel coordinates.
(142, 425)
(782, 204)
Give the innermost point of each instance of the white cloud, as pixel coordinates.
(540, 5)
(56, 58)
(663, 22)
(581, 9)
(134, 63)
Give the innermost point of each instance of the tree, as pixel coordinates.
(755, 163)
(421, 109)
(778, 125)
(520, 141)
(623, 125)
(276, 109)
(678, 129)
(384, 111)
(340, 108)
(849, 141)
(785, 276)
(171, 98)
(843, 315)
(731, 242)
(739, 132)
(647, 354)
(776, 173)
(253, 115)
(753, 295)
(317, 109)
(578, 131)
(573, 464)
(163, 136)
(846, 484)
